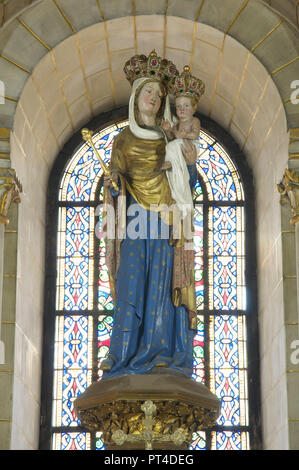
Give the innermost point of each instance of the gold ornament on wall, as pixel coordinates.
(10, 189)
(289, 192)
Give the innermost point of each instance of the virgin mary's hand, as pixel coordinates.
(165, 124)
(189, 152)
(109, 180)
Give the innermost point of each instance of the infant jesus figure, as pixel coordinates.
(186, 127)
(182, 134)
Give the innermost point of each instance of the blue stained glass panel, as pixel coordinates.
(77, 231)
(99, 442)
(228, 364)
(75, 258)
(227, 357)
(198, 352)
(71, 441)
(198, 249)
(230, 440)
(72, 365)
(198, 441)
(105, 326)
(226, 258)
(218, 171)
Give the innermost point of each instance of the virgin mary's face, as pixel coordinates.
(150, 99)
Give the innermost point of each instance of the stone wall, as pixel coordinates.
(8, 328)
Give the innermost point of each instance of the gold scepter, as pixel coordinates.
(87, 136)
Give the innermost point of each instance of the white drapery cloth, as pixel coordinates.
(178, 177)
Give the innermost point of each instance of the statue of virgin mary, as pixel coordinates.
(151, 271)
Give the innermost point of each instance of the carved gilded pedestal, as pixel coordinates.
(159, 410)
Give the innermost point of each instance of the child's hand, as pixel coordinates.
(189, 152)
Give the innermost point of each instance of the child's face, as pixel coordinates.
(184, 108)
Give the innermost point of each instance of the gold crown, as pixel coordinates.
(188, 85)
(153, 66)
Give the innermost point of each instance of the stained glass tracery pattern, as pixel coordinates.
(72, 366)
(226, 258)
(75, 259)
(81, 177)
(84, 305)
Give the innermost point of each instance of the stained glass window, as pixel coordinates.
(83, 314)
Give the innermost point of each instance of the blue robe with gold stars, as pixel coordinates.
(149, 330)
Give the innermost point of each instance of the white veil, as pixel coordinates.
(138, 131)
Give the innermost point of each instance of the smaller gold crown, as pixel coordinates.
(153, 66)
(188, 85)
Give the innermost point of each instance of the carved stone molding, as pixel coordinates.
(289, 192)
(10, 189)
